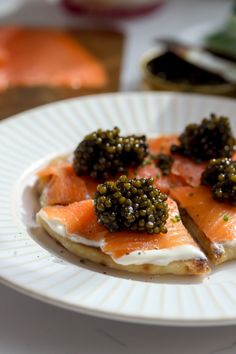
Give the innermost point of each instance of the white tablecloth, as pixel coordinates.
(28, 326)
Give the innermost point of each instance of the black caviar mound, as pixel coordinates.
(105, 153)
(174, 68)
(214, 168)
(220, 174)
(210, 139)
(131, 204)
(164, 162)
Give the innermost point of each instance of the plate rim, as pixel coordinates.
(115, 316)
(115, 94)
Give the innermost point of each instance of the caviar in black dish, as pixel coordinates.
(171, 67)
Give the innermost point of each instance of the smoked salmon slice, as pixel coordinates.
(164, 183)
(183, 168)
(61, 185)
(120, 243)
(46, 57)
(162, 144)
(190, 171)
(79, 219)
(215, 221)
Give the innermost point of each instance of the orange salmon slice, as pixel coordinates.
(62, 185)
(164, 183)
(46, 57)
(79, 218)
(207, 213)
(185, 171)
(162, 144)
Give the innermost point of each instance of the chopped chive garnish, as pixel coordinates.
(146, 162)
(176, 219)
(226, 217)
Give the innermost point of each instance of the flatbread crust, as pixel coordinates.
(217, 252)
(189, 267)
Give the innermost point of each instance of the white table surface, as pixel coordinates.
(28, 326)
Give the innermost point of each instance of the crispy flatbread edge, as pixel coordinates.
(217, 252)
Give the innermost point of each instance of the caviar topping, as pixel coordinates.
(164, 162)
(212, 138)
(105, 153)
(220, 174)
(214, 168)
(131, 204)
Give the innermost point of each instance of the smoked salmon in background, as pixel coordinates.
(39, 65)
(46, 57)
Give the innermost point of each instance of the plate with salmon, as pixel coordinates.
(123, 206)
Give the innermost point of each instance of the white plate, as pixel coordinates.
(33, 263)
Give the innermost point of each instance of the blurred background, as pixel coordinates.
(56, 49)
